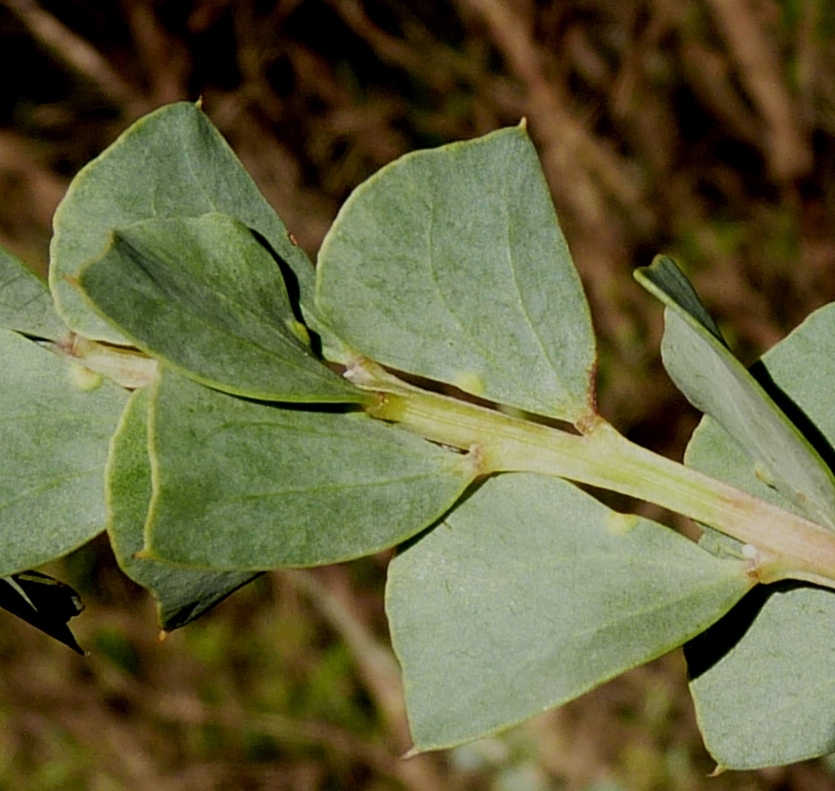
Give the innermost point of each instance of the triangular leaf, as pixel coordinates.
(25, 302)
(43, 602)
(716, 383)
(55, 440)
(761, 675)
(531, 593)
(171, 163)
(449, 264)
(205, 295)
(241, 485)
(182, 594)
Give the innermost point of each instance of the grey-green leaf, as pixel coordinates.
(450, 264)
(206, 296)
(762, 675)
(182, 594)
(531, 593)
(716, 383)
(171, 163)
(55, 439)
(240, 485)
(25, 302)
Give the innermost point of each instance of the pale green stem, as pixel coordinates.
(126, 366)
(780, 544)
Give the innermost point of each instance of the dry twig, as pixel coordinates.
(787, 146)
(80, 55)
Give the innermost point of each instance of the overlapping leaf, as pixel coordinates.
(25, 302)
(761, 676)
(182, 594)
(171, 163)
(241, 485)
(55, 439)
(205, 295)
(530, 593)
(449, 264)
(716, 383)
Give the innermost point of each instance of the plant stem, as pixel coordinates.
(781, 544)
(126, 366)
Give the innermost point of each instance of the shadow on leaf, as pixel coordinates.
(793, 412)
(712, 645)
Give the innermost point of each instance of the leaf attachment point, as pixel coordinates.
(205, 295)
(285, 487)
(761, 677)
(716, 383)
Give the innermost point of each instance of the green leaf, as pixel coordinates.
(55, 440)
(715, 382)
(207, 297)
(449, 264)
(761, 677)
(240, 485)
(171, 163)
(25, 302)
(182, 594)
(43, 602)
(531, 593)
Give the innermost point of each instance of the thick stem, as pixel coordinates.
(781, 544)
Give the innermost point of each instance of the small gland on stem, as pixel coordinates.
(752, 555)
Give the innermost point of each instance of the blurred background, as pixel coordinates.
(700, 128)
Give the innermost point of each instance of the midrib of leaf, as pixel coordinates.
(185, 306)
(476, 691)
(46, 486)
(432, 257)
(515, 279)
(332, 487)
(198, 181)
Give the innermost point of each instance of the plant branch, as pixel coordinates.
(779, 544)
